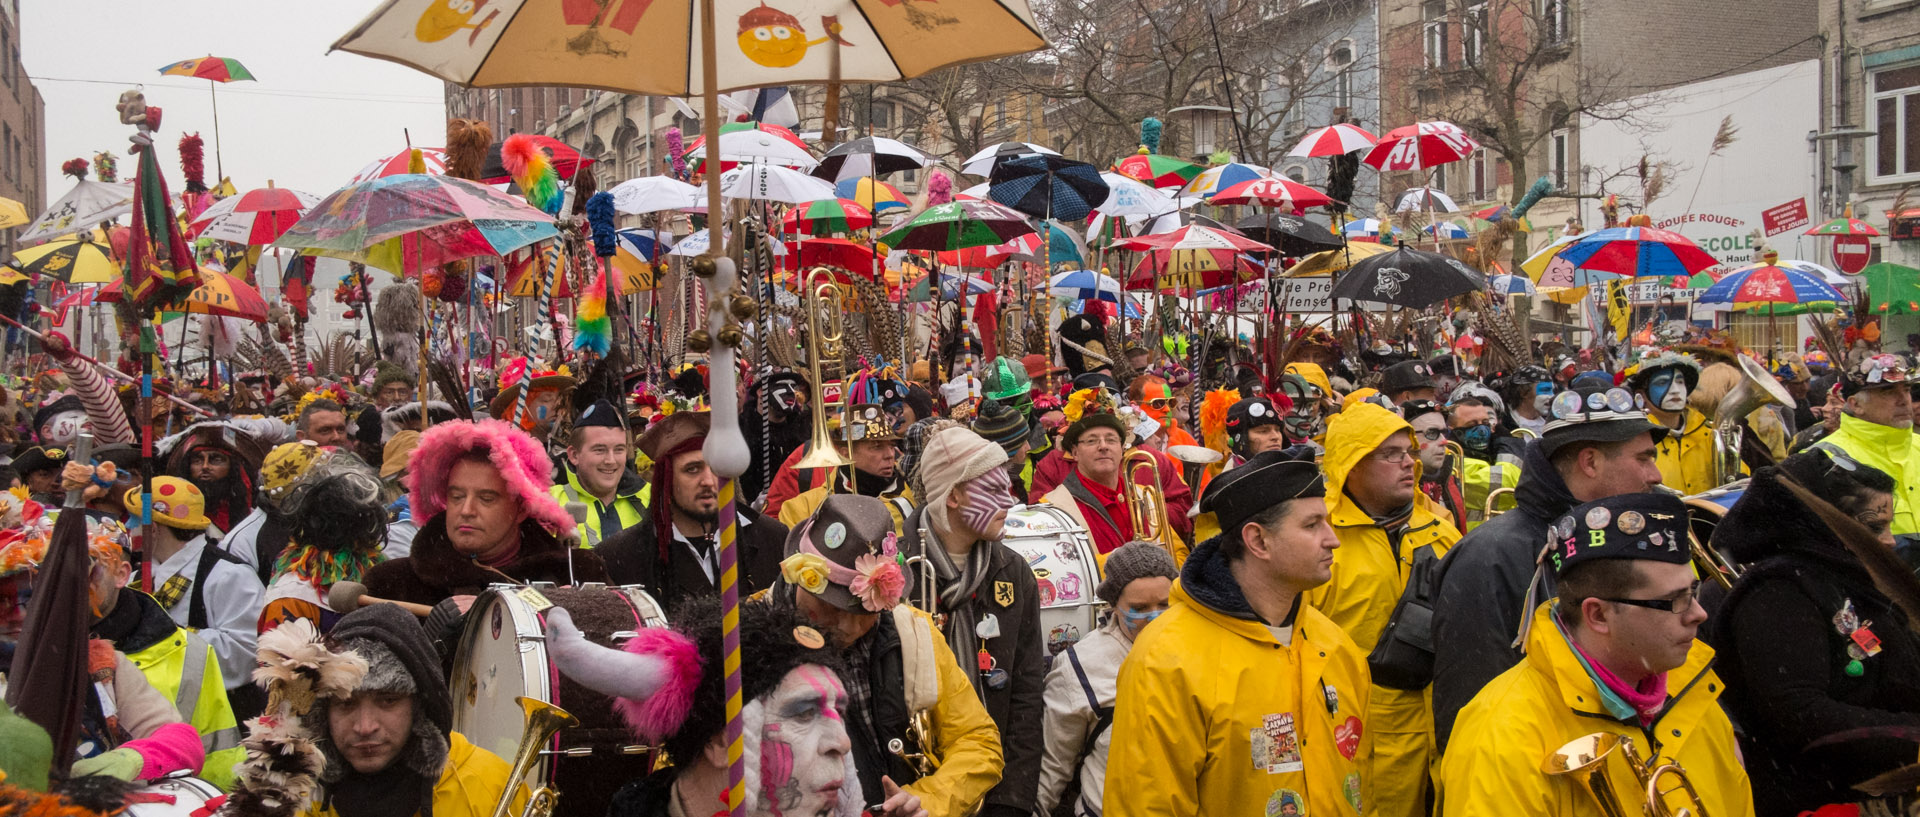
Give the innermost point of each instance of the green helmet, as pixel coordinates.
(1006, 381)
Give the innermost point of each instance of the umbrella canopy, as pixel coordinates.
(1511, 285)
(527, 270)
(1184, 218)
(1127, 196)
(827, 216)
(957, 225)
(1182, 272)
(80, 210)
(1892, 289)
(1408, 277)
(1019, 248)
(1157, 170)
(833, 252)
(1084, 285)
(951, 286)
(876, 196)
(754, 181)
(412, 222)
(869, 156)
(1445, 229)
(395, 165)
(218, 69)
(1365, 227)
(566, 161)
(1048, 187)
(1334, 140)
(656, 48)
(1769, 284)
(255, 217)
(983, 163)
(73, 260)
(632, 261)
(1226, 175)
(1193, 237)
(224, 295)
(1420, 146)
(1421, 199)
(1845, 225)
(754, 142)
(12, 213)
(1536, 264)
(1277, 193)
(1291, 235)
(1331, 261)
(1637, 252)
(653, 194)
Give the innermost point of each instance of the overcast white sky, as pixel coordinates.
(310, 121)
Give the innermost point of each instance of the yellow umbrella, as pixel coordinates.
(631, 273)
(10, 276)
(12, 213)
(1536, 264)
(72, 260)
(1332, 261)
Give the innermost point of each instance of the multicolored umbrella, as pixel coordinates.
(1157, 170)
(645, 245)
(1445, 229)
(1084, 285)
(224, 295)
(1420, 146)
(255, 217)
(952, 286)
(877, 196)
(409, 223)
(526, 271)
(1183, 272)
(395, 165)
(1227, 175)
(73, 260)
(1334, 140)
(218, 69)
(958, 225)
(1511, 285)
(830, 216)
(80, 210)
(1637, 252)
(1275, 193)
(1845, 225)
(1770, 285)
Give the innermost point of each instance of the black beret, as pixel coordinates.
(1628, 526)
(1267, 479)
(602, 414)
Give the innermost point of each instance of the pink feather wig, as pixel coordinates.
(525, 467)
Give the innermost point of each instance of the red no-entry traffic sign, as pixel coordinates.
(1851, 253)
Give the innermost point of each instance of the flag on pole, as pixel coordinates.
(159, 266)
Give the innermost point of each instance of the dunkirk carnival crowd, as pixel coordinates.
(1374, 584)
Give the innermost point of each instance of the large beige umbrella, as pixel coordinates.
(12, 213)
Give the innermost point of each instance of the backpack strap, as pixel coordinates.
(1103, 715)
(210, 555)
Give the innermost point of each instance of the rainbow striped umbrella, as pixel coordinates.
(877, 196)
(218, 69)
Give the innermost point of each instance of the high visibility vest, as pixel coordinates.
(184, 669)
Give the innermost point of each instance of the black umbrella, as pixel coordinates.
(1408, 277)
(1048, 186)
(869, 156)
(1293, 236)
(48, 682)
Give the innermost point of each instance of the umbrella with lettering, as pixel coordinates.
(1420, 146)
(73, 260)
(224, 295)
(1408, 277)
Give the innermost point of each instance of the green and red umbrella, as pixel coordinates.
(1158, 170)
(218, 69)
(1845, 225)
(827, 216)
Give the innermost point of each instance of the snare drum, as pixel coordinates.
(503, 655)
(1060, 552)
(179, 796)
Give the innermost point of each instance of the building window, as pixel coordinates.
(1479, 185)
(883, 116)
(1896, 108)
(1295, 173)
(1559, 152)
(6, 150)
(1473, 39)
(1435, 13)
(1556, 23)
(1340, 62)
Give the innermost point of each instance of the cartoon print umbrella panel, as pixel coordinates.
(413, 222)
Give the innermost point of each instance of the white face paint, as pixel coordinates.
(1667, 390)
(1676, 397)
(63, 428)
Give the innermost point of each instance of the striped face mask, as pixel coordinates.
(987, 495)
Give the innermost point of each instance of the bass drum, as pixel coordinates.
(1065, 565)
(503, 655)
(179, 796)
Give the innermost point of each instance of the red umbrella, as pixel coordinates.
(1180, 272)
(835, 216)
(1334, 140)
(395, 165)
(832, 252)
(1026, 247)
(1193, 237)
(1276, 192)
(257, 216)
(1420, 146)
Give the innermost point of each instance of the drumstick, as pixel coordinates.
(346, 597)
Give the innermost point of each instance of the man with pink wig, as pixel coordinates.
(480, 493)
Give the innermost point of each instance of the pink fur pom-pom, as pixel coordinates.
(661, 714)
(939, 188)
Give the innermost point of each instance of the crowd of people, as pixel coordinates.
(1379, 584)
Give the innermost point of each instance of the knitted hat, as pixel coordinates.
(284, 464)
(400, 658)
(522, 464)
(1001, 424)
(386, 372)
(177, 503)
(1136, 560)
(953, 456)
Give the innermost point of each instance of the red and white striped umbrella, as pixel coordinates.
(1277, 192)
(436, 160)
(1334, 140)
(1420, 146)
(255, 217)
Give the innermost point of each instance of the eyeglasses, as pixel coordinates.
(1397, 455)
(1676, 604)
(1432, 435)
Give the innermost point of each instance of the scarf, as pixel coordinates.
(322, 568)
(1394, 522)
(1109, 523)
(865, 484)
(391, 792)
(958, 584)
(1623, 701)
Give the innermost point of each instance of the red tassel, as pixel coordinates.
(193, 162)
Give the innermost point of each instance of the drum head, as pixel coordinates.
(502, 656)
(180, 796)
(1064, 564)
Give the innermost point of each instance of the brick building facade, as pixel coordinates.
(23, 129)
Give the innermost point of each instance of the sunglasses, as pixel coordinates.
(1159, 403)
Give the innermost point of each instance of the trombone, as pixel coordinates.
(1593, 762)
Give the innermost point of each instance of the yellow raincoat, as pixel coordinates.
(1185, 730)
(470, 784)
(1369, 574)
(964, 736)
(1890, 449)
(1503, 736)
(1686, 456)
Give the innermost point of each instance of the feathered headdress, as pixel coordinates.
(467, 143)
(939, 189)
(532, 171)
(1150, 134)
(282, 764)
(1213, 418)
(193, 164)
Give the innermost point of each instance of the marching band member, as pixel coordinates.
(1613, 653)
(841, 572)
(1275, 713)
(336, 526)
(1876, 430)
(1093, 490)
(1662, 384)
(873, 445)
(599, 476)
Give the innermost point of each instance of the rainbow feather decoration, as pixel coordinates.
(592, 328)
(532, 171)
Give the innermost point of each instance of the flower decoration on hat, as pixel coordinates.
(807, 571)
(880, 582)
(1088, 401)
(1881, 370)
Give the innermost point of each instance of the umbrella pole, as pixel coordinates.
(219, 169)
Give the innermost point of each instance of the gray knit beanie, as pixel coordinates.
(1137, 560)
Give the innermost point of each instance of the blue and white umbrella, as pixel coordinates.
(1084, 285)
(646, 245)
(1511, 285)
(1133, 310)
(1447, 229)
(1362, 227)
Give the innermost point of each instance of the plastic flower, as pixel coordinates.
(808, 571)
(880, 583)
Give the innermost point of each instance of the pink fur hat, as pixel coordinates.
(526, 469)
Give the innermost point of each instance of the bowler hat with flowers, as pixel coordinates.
(848, 555)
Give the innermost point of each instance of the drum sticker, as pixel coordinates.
(1274, 746)
(1286, 803)
(496, 622)
(1034, 559)
(1016, 522)
(1046, 590)
(1061, 637)
(1069, 587)
(534, 599)
(1066, 551)
(1346, 736)
(1003, 593)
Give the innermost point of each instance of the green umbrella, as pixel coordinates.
(958, 225)
(1892, 289)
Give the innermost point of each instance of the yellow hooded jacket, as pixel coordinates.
(1685, 456)
(1198, 737)
(1890, 449)
(1369, 574)
(470, 783)
(1503, 736)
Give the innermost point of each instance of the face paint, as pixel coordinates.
(1474, 438)
(63, 428)
(803, 745)
(1668, 390)
(987, 498)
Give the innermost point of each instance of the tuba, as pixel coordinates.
(1756, 388)
(1594, 762)
(826, 331)
(543, 721)
(1146, 506)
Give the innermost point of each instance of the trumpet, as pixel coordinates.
(1146, 506)
(920, 726)
(1707, 558)
(543, 721)
(826, 332)
(1593, 762)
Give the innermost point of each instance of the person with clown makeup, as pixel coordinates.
(1662, 384)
